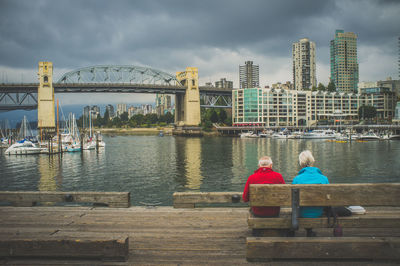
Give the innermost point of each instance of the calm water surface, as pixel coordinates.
(152, 168)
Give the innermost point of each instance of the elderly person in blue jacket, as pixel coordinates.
(309, 175)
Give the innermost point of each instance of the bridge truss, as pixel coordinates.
(109, 79)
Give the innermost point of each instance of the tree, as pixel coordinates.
(214, 116)
(106, 117)
(321, 87)
(222, 116)
(124, 117)
(331, 86)
(367, 112)
(314, 88)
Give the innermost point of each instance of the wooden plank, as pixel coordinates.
(29, 198)
(205, 197)
(380, 194)
(323, 248)
(358, 221)
(90, 247)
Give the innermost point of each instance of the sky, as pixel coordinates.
(216, 36)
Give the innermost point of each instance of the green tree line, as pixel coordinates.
(136, 121)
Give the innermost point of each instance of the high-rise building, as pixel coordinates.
(121, 108)
(344, 64)
(249, 75)
(163, 104)
(95, 111)
(304, 76)
(86, 111)
(223, 83)
(110, 109)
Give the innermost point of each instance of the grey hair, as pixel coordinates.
(306, 159)
(265, 161)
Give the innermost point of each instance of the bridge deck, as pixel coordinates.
(161, 235)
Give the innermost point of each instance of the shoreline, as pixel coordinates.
(145, 131)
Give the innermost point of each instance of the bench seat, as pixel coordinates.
(382, 248)
(371, 219)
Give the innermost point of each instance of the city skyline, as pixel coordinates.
(153, 34)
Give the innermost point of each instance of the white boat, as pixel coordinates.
(320, 134)
(295, 135)
(280, 135)
(249, 134)
(99, 139)
(23, 147)
(394, 137)
(369, 136)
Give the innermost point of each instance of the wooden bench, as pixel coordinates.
(31, 198)
(370, 246)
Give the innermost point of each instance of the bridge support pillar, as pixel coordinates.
(187, 106)
(46, 114)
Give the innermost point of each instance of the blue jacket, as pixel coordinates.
(310, 175)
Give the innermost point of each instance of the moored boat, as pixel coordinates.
(369, 136)
(319, 134)
(23, 147)
(249, 134)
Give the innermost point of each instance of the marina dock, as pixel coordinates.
(157, 235)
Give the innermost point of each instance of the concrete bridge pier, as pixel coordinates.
(187, 106)
(46, 113)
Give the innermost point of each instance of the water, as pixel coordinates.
(153, 167)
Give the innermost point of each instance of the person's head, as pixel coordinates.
(306, 159)
(265, 161)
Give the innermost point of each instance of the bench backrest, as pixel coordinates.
(367, 194)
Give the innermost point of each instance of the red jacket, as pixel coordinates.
(263, 175)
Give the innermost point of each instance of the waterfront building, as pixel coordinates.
(86, 111)
(343, 59)
(163, 104)
(223, 83)
(121, 108)
(110, 109)
(396, 118)
(280, 107)
(393, 85)
(147, 109)
(131, 111)
(249, 76)
(278, 86)
(209, 84)
(304, 74)
(95, 111)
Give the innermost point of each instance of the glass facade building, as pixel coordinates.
(279, 107)
(343, 59)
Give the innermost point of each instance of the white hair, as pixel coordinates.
(265, 161)
(306, 159)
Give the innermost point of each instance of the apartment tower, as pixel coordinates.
(249, 75)
(304, 75)
(344, 64)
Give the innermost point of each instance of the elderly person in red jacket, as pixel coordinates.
(263, 175)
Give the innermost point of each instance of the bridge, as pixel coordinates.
(110, 79)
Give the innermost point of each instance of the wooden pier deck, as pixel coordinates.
(157, 235)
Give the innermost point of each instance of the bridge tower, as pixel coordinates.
(46, 114)
(187, 106)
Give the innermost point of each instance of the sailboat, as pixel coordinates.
(90, 144)
(74, 142)
(26, 143)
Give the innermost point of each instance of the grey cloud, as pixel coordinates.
(170, 35)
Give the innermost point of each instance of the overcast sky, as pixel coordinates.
(216, 36)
